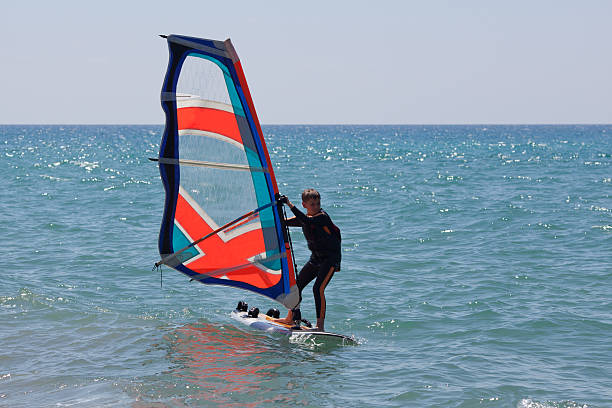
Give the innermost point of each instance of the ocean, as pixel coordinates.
(476, 272)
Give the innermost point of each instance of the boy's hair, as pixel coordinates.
(310, 194)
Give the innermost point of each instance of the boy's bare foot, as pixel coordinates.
(313, 329)
(284, 320)
(287, 320)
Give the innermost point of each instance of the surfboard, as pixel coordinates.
(268, 324)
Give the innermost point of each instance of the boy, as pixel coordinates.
(323, 239)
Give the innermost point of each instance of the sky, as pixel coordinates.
(316, 62)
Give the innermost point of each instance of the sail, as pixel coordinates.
(221, 222)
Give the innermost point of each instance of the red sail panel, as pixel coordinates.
(211, 120)
(219, 255)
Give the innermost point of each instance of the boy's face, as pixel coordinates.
(313, 205)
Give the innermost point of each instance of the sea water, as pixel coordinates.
(476, 272)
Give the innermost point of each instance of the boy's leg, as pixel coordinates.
(325, 275)
(305, 276)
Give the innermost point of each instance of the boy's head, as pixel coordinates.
(311, 200)
(310, 194)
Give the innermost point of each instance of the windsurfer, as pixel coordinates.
(323, 239)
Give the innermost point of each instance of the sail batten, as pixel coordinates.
(186, 162)
(215, 168)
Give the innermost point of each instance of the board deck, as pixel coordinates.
(267, 324)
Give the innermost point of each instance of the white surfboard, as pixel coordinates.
(267, 324)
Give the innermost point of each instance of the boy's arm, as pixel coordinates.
(300, 216)
(303, 219)
(293, 222)
(296, 221)
(320, 219)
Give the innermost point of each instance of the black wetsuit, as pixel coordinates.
(323, 239)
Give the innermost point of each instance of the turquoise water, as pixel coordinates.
(476, 273)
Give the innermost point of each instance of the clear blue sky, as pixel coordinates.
(399, 62)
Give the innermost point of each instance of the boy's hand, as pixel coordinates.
(283, 199)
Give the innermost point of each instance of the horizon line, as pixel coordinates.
(333, 124)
